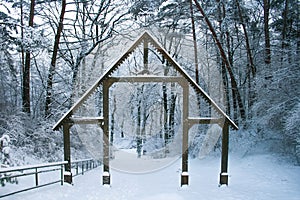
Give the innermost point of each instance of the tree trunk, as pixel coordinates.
(53, 60)
(194, 43)
(22, 37)
(267, 32)
(26, 69)
(195, 54)
(226, 89)
(165, 116)
(112, 131)
(230, 60)
(284, 43)
(251, 91)
(138, 124)
(172, 112)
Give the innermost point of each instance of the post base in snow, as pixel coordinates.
(184, 178)
(106, 178)
(223, 178)
(68, 177)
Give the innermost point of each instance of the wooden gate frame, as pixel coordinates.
(184, 81)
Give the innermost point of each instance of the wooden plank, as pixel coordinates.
(86, 120)
(204, 120)
(67, 153)
(106, 145)
(147, 79)
(224, 159)
(185, 135)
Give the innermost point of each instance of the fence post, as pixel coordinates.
(61, 174)
(36, 177)
(82, 167)
(76, 168)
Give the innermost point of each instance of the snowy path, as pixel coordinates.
(260, 177)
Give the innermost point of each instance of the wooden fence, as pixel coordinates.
(78, 167)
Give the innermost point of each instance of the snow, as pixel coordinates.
(105, 174)
(167, 3)
(258, 177)
(67, 173)
(184, 173)
(127, 161)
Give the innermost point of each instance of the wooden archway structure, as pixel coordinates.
(184, 80)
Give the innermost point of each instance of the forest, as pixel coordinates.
(244, 53)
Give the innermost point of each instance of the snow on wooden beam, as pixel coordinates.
(86, 120)
(146, 78)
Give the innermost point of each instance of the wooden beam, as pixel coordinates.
(203, 120)
(106, 147)
(67, 153)
(185, 135)
(87, 120)
(224, 159)
(147, 79)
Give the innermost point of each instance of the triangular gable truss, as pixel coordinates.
(185, 80)
(145, 36)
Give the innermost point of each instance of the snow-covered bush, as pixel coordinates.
(33, 141)
(292, 128)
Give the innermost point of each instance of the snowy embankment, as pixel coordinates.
(256, 177)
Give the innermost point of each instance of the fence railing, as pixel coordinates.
(81, 166)
(12, 173)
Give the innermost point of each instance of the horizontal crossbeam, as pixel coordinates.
(201, 120)
(146, 78)
(86, 120)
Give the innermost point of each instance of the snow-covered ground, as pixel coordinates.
(255, 177)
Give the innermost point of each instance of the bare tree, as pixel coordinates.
(26, 70)
(194, 42)
(284, 28)
(79, 29)
(267, 32)
(251, 91)
(248, 47)
(53, 59)
(94, 23)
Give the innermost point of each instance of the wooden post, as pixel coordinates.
(146, 55)
(67, 153)
(106, 175)
(224, 159)
(185, 138)
(82, 167)
(76, 168)
(61, 175)
(36, 177)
